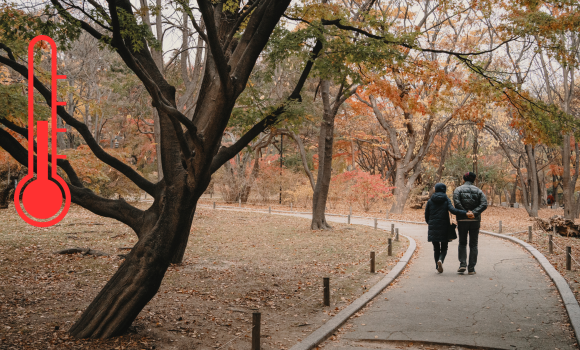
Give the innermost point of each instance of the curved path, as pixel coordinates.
(509, 304)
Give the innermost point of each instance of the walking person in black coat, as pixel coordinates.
(469, 197)
(437, 216)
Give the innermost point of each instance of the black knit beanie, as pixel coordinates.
(469, 177)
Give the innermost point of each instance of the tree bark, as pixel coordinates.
(533, 178)
(441, 167)
(325, 143)
(138, 278)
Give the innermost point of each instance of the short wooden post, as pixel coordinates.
(326, 284)
(390, 247)
(256, 322)
(392, 229)
(214, 205)
(499, 226)
(550, 244)
(530, 234)
(269, 210)
(372, 262)
(397, 234)
(568, 258)
(348, 220)
(375, 223)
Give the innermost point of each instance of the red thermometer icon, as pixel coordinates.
(45, 196)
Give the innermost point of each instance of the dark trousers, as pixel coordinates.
(440, 250)
(471, 229)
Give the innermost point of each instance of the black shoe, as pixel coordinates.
(461, 269)
(472, 272)
(440, 266)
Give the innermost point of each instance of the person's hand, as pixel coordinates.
(470, 214)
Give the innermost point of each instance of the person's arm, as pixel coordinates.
(454, 210)
(482, 204)
(427, 212)
(457, 199)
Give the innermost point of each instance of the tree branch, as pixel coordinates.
(214, 44)
(117, 209)
(125, 169)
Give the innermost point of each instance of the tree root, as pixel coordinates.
(84, 251)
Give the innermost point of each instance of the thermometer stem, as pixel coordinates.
(42, 150)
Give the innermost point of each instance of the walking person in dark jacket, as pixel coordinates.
(470, 198)
(437, 216)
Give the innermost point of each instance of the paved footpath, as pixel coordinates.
(509, 304)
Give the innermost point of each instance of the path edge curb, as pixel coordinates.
(568, 298)
(322, 333)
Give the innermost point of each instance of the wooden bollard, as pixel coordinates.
(326, 284)
(550, 244)
(375, 223)
(372, 262)
(568, 258)
(390, 247)
(256, 322)
(530, 234)
(348, 220)
(499, 226)
(214, 205)
(397, 234)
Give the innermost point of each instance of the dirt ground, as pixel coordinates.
(236, 263)
(513, 219)
(540, 241)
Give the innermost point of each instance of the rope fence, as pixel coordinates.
(351, 275)
(531, 233)
(550, 241)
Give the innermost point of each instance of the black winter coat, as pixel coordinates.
(437, 216)
(469, 197)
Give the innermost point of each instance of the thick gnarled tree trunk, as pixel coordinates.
(190, 148)
(138, 278)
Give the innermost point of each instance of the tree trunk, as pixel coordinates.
(567, 189)
(475, 150)
(247, 187)
(533, 180)
(403, 187)
(514, 189)
(401, 199)
(439, 173)
(325, 143)
(138, 278)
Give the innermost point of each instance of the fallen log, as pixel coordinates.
(84, 251)
(564, 227)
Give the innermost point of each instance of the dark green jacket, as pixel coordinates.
(468, 197)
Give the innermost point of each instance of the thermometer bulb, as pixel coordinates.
(42, 198)
(45, 200)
